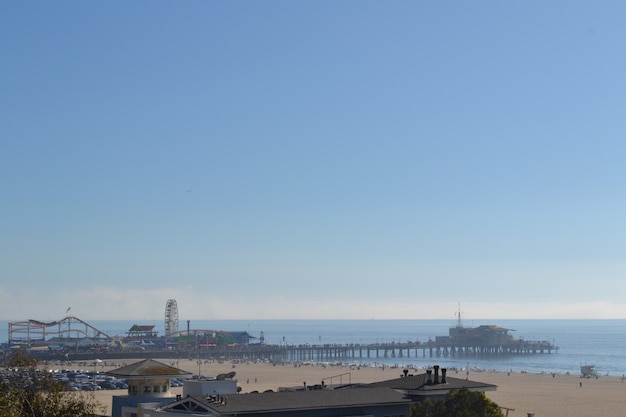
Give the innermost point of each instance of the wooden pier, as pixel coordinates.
(331, 353)
(373, 352)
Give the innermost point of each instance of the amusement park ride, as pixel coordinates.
(74, 330)
(31, 332)
(171, 318)
(74, 333)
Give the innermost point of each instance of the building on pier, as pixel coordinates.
(140, 332)
(481, 335)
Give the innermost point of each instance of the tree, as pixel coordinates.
(28, 391)
(458, 403)
(429, 408)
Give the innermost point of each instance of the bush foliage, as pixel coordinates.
(27, 391)
(458, 403)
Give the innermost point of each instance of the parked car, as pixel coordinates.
(121, 384)
(107, 385)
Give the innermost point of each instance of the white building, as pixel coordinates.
(148, 382)
(149, 386)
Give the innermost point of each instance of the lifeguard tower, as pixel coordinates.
(588, 371)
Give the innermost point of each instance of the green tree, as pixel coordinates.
(26, 391)
(429, 408)
(458, 403)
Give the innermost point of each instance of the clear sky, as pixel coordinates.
(313, 159)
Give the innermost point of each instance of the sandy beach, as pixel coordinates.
(558, 395)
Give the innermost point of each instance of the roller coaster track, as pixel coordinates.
(35, 330)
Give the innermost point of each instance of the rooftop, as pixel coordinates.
(295, 400)
(413, 383)
(148, 367)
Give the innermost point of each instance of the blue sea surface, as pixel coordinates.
(598, 342)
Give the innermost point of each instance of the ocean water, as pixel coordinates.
(598, 342)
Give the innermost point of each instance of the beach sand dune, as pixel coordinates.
(542, 394)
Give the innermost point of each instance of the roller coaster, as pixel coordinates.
(70, 327)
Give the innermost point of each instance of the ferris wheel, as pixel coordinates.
(171, 318)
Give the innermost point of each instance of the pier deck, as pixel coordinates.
(332, 353)
(408, 350)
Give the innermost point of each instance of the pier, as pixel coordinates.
(329, 353)
(373, 352)
(74, 339)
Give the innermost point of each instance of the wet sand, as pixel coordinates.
(542, 394)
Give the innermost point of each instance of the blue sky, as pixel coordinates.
(279, 159)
